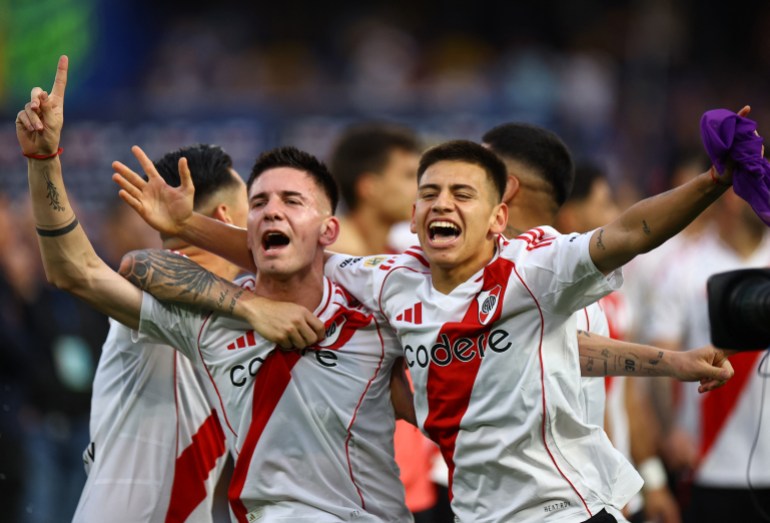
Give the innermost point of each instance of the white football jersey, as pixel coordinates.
(497, 379)
(723, 422)
(311, 431)
(157, 448)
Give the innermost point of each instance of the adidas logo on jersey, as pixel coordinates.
(412, 315)
(247, 340)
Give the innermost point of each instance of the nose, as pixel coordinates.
(273, 209)
(442, 202)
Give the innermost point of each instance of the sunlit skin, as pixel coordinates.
(289, 224)
(457, 217)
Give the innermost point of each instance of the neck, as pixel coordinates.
(304, 288)
(372, 229)
(210, 262)
(529, 209)
(446, 278)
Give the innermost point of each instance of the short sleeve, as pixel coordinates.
(169, 324)
(359, 275)
(559, 270)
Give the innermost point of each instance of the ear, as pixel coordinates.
(330, 230)
(366, 187)
(412, 223)
(511, 188)
(222, 213)
(499, 219)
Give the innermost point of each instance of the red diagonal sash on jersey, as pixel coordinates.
(449, 388)
(269, 384)
(193, 467)
(719, 404)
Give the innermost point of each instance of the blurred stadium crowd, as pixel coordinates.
(623, 83)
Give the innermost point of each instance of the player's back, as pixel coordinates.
(147, 406)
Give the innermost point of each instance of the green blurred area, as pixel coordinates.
(33, 34)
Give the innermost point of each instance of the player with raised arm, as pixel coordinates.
(468, 191)
(311, 431)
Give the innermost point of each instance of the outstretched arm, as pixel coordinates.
(169, 210)
(652, 221)
(69, 259)
(175, 278)
(601, 356)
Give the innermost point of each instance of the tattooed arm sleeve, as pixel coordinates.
(601, 356)
(174, 278)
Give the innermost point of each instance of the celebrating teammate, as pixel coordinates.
(311, 431)
(516, 459)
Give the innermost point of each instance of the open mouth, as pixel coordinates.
(443, 231)
(274, 240)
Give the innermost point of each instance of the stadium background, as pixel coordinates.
(623, 82)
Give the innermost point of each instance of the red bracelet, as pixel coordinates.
(716, 180)
(45, 156)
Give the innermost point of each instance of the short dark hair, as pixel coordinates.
(468, 152)
(538, 149)
(302, 161)
(364, 148)
(209, 167)
(586, 174)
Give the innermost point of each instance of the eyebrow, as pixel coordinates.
(452, 187)
(282, 194)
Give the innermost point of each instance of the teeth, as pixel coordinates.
(444, 225)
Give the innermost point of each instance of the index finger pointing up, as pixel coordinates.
(60, 82)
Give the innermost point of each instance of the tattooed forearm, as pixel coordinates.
(52, 192)
(599, 242)
(174, 278)
(234, 300)
(645, 227)
(597, 361)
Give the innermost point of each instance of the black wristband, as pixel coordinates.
(57, 232)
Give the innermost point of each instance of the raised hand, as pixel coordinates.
(726, 178)
(165, 208)
(39, 124)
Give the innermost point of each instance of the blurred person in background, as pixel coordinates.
(375, 165)
(716, 441)
(629, 415)
(157, 446)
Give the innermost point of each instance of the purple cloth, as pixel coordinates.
(729, 136)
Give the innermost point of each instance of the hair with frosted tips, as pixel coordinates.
(210, 169)
(467, 152)
(302, 161)
(540, 150)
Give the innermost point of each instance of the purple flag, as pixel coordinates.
(729, 136)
